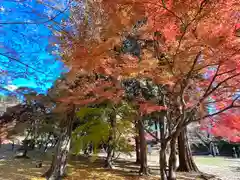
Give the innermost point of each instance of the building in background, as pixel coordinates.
(7, 101)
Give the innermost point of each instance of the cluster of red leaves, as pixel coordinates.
(227, 125)
(147, 107)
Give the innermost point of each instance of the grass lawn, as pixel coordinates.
(211, 161)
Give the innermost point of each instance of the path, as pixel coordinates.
(224, 168)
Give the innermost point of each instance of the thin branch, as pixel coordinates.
(206, 66)
(216, 113)
(164, 7)
(20, 62)
(155, 137)
(171, 12)
(193, 66)
(221, 111)
(185, 83)
(226, 72)
(39, 22)
(219, 84)
(203, 3)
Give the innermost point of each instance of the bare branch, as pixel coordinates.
(231, 106)
(219, 84)
(226, 72)
(193, 66)
(20, 62)
(210, 85)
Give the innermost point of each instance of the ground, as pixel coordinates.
(225, 168)
(23, 169)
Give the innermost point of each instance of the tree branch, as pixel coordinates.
(219, 84)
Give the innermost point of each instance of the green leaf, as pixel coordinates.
(96, 131)
(86, 110)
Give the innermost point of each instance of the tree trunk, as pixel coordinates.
(111, 141)
(108, 161)
(172, 160)
(59, 162)
(137, 143)
(13, 146)
(24, 153)
(186, 162)
(143, 150)
(163, 161)
(137, 149)
(46, 144)
(156, 128)
(162, 155)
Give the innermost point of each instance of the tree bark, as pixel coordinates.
(59, 162)
(156, 128)
(186, 162)
(137, 149)
(172, 160)
(143, 150)
(163, 161)
(137, 143)
(162, 152)
(46, 144)
(111, 140)
(24, 153)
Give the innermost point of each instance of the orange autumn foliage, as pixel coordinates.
(190, 36)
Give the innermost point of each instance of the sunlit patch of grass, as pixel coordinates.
(209, 160)
(38, 178)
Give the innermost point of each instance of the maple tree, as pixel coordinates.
(207, 50)
(189, 47)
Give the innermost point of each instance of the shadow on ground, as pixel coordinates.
(79, 167)
(235, 169)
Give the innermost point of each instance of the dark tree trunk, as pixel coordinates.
(156, 128)
(59, 162)
(111, 140)
(163, 161)
(40, 145)
(55, 143)
(47, 143)
(162, 153)
(137, 143)
(108, 161)
(24, 153)
(172, 160)
(13, 145)
(143, 150)
(137, 149)
(186, 162)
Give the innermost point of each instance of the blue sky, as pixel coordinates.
(27, 56)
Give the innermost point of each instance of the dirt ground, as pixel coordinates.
(125, 169)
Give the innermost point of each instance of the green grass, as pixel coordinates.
(209, 160)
